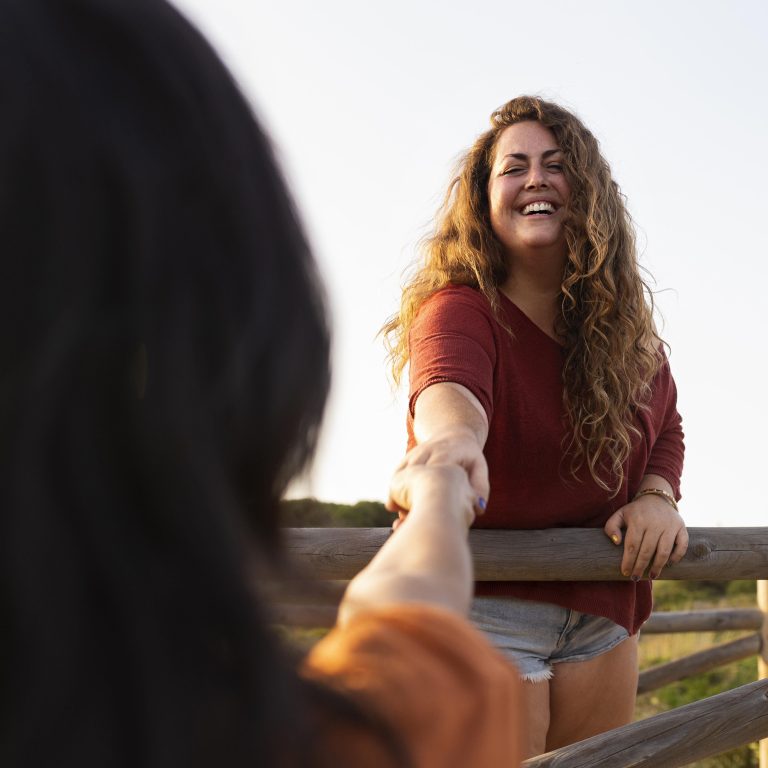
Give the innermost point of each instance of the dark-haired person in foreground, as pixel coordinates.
(164, 355)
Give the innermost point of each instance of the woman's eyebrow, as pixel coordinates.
(545, 154)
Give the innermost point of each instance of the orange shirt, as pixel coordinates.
(449, 697)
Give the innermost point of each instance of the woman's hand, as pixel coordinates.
(655, 536)
(459, 447)
(436, 489)
(426, 468)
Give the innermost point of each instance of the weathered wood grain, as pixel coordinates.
(305, 614)
(558, 554)
(696, 663)
(322, 614)
(680, 737)
(715, 620)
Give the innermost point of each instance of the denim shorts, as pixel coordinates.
(537, 635)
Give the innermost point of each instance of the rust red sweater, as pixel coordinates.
(518, 381)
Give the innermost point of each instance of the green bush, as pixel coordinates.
(690, 595)
(311, 513)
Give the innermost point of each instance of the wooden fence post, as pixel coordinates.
(762, 659)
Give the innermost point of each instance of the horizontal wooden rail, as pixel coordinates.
(680, 737)
(297, 613)
(556, 554)
(696, 663)
(715, 620)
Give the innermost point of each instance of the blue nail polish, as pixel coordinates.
(481, 503)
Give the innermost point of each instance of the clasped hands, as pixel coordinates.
(446, 451)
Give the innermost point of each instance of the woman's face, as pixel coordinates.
(528, 192)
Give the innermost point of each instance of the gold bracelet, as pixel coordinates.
(668, 497)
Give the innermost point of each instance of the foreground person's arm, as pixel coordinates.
(427, 560)
(404, 652)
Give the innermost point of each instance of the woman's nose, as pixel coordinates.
(536, 178)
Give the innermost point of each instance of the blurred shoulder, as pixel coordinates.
(410, 662)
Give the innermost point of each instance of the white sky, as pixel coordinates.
(369, 105)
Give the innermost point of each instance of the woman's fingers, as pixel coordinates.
(655, 537)
(614, 525)
(442, 488)
(681, 546)
(399, 491)
(397, 522)
(478, 479)
(464, 453)
(640, 549)
(664, 548)
(632, 560)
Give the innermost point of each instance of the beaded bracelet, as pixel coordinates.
(668, 497)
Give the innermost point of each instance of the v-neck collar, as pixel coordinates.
(527, 320)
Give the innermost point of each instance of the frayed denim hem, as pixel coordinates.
(538, 677)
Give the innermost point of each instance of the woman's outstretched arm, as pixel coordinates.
(450, 427)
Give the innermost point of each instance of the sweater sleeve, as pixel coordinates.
(666, 457)
(452, 340)
(432, 678)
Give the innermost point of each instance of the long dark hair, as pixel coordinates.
(163, 370)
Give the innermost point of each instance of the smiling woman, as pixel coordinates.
(535, 366)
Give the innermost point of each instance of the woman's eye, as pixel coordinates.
(558, 167)
(512, 170)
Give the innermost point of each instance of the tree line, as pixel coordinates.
(312, 513)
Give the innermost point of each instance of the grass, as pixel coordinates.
(657, 649)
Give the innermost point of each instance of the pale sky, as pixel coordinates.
(369, 105)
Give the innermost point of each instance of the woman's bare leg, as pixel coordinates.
(591, 697)
(536, 703)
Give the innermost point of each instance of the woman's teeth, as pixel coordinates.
(538, 208)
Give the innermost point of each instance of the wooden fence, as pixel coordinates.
(676, 738)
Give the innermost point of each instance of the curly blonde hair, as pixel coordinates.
(606, 318)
